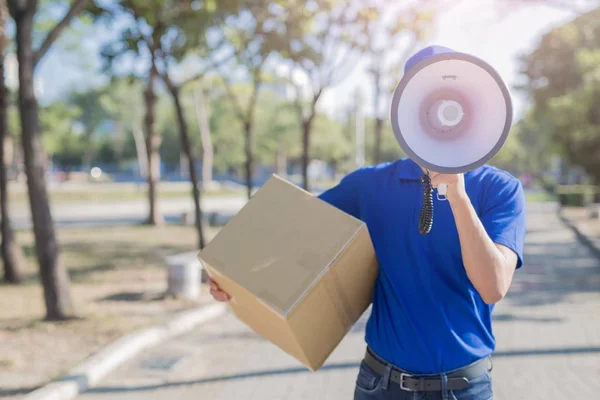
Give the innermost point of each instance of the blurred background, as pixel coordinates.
(131, 130)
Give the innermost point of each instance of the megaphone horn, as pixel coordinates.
(451, 112)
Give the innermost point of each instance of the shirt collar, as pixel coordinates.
(409, 170)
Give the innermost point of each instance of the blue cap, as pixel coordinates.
(425, 53)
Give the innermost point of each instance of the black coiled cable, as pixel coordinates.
(426, 216)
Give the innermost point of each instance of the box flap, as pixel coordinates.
(280, 243)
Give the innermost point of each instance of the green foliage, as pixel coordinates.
(563, 81)
(91, 112)
(121, 102)
(166, 127)
(48, 15)
(72, 151)
(106, 153)
(401, 27)
(390, 150)
(172, 30)
(325, 39)
(98, 123)
(226, 138)
(321, 38)
(277, 129)
(57, 121)
(330, 142)
(64, 143)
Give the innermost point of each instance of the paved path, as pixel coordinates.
(548, 332)
(95, 213)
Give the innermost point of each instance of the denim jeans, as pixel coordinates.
(372, 386)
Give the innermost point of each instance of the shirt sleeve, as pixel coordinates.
(503, 216)
(346, 194)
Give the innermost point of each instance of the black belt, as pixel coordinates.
(457, 380)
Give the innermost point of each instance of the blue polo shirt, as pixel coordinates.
(427, 317)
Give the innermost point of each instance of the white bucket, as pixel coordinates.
(184, 276)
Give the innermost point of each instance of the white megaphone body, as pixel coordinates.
(451, 112)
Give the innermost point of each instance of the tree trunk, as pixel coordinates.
(183, 165)
(334, 167)
(88, 153)
(249, 145)
(54, 277)
(204, 127)
(140, 148)
(186, 146)
(378, 120)
(377, 147)
(306, 129)
(119, 140)
(281, 161)
(15, 266)
(153, 142)
(306, 126)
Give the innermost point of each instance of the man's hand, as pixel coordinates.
(456, 185)
(217, 293)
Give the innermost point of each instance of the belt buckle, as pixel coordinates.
(402, 376)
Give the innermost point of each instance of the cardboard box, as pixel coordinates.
(300, 271)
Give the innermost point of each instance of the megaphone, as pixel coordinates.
(451, 112)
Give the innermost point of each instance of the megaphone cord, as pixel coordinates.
(426, 216)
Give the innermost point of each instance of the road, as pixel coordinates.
(547, 329)
(123, 212)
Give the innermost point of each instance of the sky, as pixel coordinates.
(472, 26)
(477, 27)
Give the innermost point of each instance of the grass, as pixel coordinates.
(91, 252)
(118, 281)
(539, 197)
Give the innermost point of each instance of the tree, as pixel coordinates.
(53, 274)
(56, 120)
(277, 132)
(91, 115)
(323, 44)
(562, 81)
(528, 147)
(131, 42)
(255, 43)
(225, 128)
(334, 147)
(15, 266)
(170, 33)
(204, 128)
(63, 145)
(246, 116)
(153, 142)
(121, 100)
(409, 28)
(187, 148)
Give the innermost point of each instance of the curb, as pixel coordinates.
(581, 236)
(91, 371)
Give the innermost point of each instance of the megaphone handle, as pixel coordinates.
(442, 189)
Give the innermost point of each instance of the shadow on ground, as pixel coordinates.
(96, 258)
(526, 318)
(556, 265)
(135, 296)
(211, 338)
(17, 391)
(324, 369)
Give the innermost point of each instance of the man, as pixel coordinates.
(429, 334)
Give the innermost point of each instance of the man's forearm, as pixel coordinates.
(485, 264)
